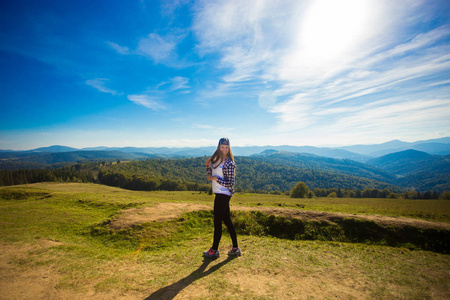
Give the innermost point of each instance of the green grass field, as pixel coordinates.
(56, 243)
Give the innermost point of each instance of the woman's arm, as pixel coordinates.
(228, 174)
(208, 167)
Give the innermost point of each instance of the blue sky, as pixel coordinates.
(185, 73)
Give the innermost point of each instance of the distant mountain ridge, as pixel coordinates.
(433, 146)
(416, 170)
(404, 162)
(311, 161)
(361, 153)
(54, 149)
(34, 160)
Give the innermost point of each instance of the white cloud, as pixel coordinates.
(119, 49)
(153, 97)
(212, 91)
(99, 84)
(247, 34)
(286, 41)
(299, 42)
(267, 99)
(335, 62)
(161, 49)
(168, 8)
(179, 83)
(443, 82)
(147, 101)
(420, 41)
(399, 118)
(375, 121)
(294, 114)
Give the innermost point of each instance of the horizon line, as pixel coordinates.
(284, 145)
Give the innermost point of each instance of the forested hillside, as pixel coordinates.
(311, 161)
(416, 170)
(35, 160)
(189, 174)
(261, 175)
(251, 174)
(412, 161)
(270, 170)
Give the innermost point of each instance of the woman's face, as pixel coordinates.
(224, 149)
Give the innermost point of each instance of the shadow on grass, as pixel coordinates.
(170, 291)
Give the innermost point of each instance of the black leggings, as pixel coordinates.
(222, 213)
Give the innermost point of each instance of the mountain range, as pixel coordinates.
(361, 153)
(433, 146)
(423, 165)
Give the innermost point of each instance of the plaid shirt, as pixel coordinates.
(228, 174)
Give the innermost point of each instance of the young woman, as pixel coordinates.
(220, 169)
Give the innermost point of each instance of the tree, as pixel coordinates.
(426, 195)
(435, 195)
(300, 190)
(446, 195)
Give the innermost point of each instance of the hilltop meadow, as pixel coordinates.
(84, 240)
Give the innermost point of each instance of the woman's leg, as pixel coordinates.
(229, 224)
(218, 217)
(222, 214)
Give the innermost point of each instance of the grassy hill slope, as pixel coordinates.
(56, 243)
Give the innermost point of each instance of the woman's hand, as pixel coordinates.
(212, 178)
(208, 162)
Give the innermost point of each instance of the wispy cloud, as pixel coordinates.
(246, 33)
(154, 96)
(419, 41)
(100, 84)
(179, 83)
(151, 102)
(119, 49)
(159, 48)
(162, 49)
(169, 7)
(332, 63)
(173, 84)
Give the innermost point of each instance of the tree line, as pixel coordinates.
(301, 190)
(94, 174)
(373, 193)
(25, 176)
(147, 183)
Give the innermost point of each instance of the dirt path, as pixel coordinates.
(169, 211)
